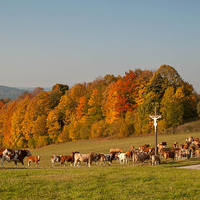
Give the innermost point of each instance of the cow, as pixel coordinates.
(35, 159)
(140, 157)
(196, 143)
(186, 145)
(141, 148)
(149, 150)
(181, 146)
(164, 144)
(14, 155)
(169, 154)
(197, 153)
(160, 146)
(88, 158)
(70, 158)
(189, 139)
(175, 144)
(55, 158)
(132, 148)
(101, 158)
(185, 153)
(110, 157)
(122, 158)
(129, 154)
(118, 150)
(155, 159)
(192, 150)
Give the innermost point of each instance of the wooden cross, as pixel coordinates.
(155, 117)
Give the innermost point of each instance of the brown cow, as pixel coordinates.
(117, 150)
(144, 147)
(196, 142)
(197, 153)
(186, 145)
(169, 154)
(162, 151)
(198, 145)
(175, 144)
(35, 159)
(132, 148)
(101, 158)
(13, 155)
(149, 150)
(129, 154)
(140, 157)
(70, 158)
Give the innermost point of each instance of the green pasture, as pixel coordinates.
(165, 181)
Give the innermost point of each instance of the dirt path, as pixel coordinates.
(191, 167)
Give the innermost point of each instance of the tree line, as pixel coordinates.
(111, 106)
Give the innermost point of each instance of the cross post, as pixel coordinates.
(155, 117)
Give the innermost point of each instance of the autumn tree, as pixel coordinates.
(7, 125)
(81, 110)
(37, 91)
(166, 76)
(3, 112)
(190, 101)
(18, 137)
(1, 104)
(127, 93)
(53, 126)
(142, 80)
(60, 87)
(30, 116)
(39, 131)
(43, 104)
(110, 101)
(171, 107)
(54, 98)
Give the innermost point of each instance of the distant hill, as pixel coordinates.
(31, 89)
(10, 92)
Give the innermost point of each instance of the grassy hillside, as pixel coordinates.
(104, 145)
(101, 182)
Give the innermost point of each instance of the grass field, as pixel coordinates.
(165, 181)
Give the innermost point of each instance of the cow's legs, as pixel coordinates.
(21, 162)
(15, 164)
(2, 161)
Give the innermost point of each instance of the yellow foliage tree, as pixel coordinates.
(53, 126)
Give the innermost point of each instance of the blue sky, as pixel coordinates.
(44, 42)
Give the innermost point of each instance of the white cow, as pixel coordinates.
(122, 158)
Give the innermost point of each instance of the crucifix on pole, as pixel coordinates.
(155, 117)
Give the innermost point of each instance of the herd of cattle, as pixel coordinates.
(190, 148)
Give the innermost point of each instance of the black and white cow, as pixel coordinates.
(110, 157)
(13, 155)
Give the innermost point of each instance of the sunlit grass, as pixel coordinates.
(101, 182)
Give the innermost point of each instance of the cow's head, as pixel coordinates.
(28, 153)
